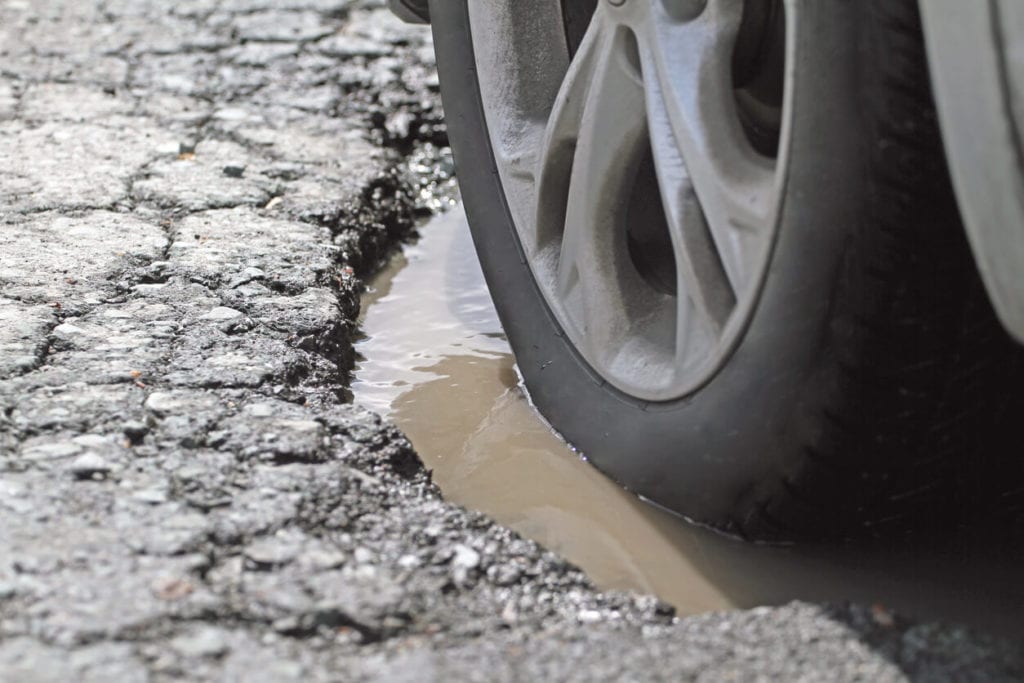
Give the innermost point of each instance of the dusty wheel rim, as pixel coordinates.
(644, 172)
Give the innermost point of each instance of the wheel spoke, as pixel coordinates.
(692, 106)
(699, 269)
(555, 157)
(593, 144)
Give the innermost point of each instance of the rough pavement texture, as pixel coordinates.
(189, 191)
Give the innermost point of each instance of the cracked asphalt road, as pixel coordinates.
(190, 192)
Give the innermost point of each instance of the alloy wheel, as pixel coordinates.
(643, 162)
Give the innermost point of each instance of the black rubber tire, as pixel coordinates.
(868, 387)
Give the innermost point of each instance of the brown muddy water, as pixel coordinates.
(435, 361)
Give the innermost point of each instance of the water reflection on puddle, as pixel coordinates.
(437, 364)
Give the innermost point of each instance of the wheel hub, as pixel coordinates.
(643, 172)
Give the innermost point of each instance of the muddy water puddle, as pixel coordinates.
(435, 361)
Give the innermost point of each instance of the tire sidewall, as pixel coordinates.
(705, 455)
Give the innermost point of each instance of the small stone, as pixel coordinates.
(221, 313)
(321, 559)
(362, 556)
(245, 277)
(152, 496)
(509, 613)
(504, 574)
(234, 170)
(465, 557)
(197, 562)
(89, 466)
(67, 330)
(162, 403)
(231, 114)
(589, 616)
(274, 551)
(135, 431)
(287, 624)
(464, 561)
(172, 588)
(408, 562)
(398, 124)
(203, 642)
(442, 555)
(664, 609)
(7, 590)
(365, 572)
(261, 409)
(186, 148)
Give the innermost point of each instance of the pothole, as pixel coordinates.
(435, 361)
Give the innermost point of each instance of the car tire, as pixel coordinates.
(869, 385)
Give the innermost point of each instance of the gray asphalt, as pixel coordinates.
(190, 192)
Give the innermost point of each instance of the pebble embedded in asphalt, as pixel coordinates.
(89, 466)
(189, 193)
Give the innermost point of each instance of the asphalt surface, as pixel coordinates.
(190, 192)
